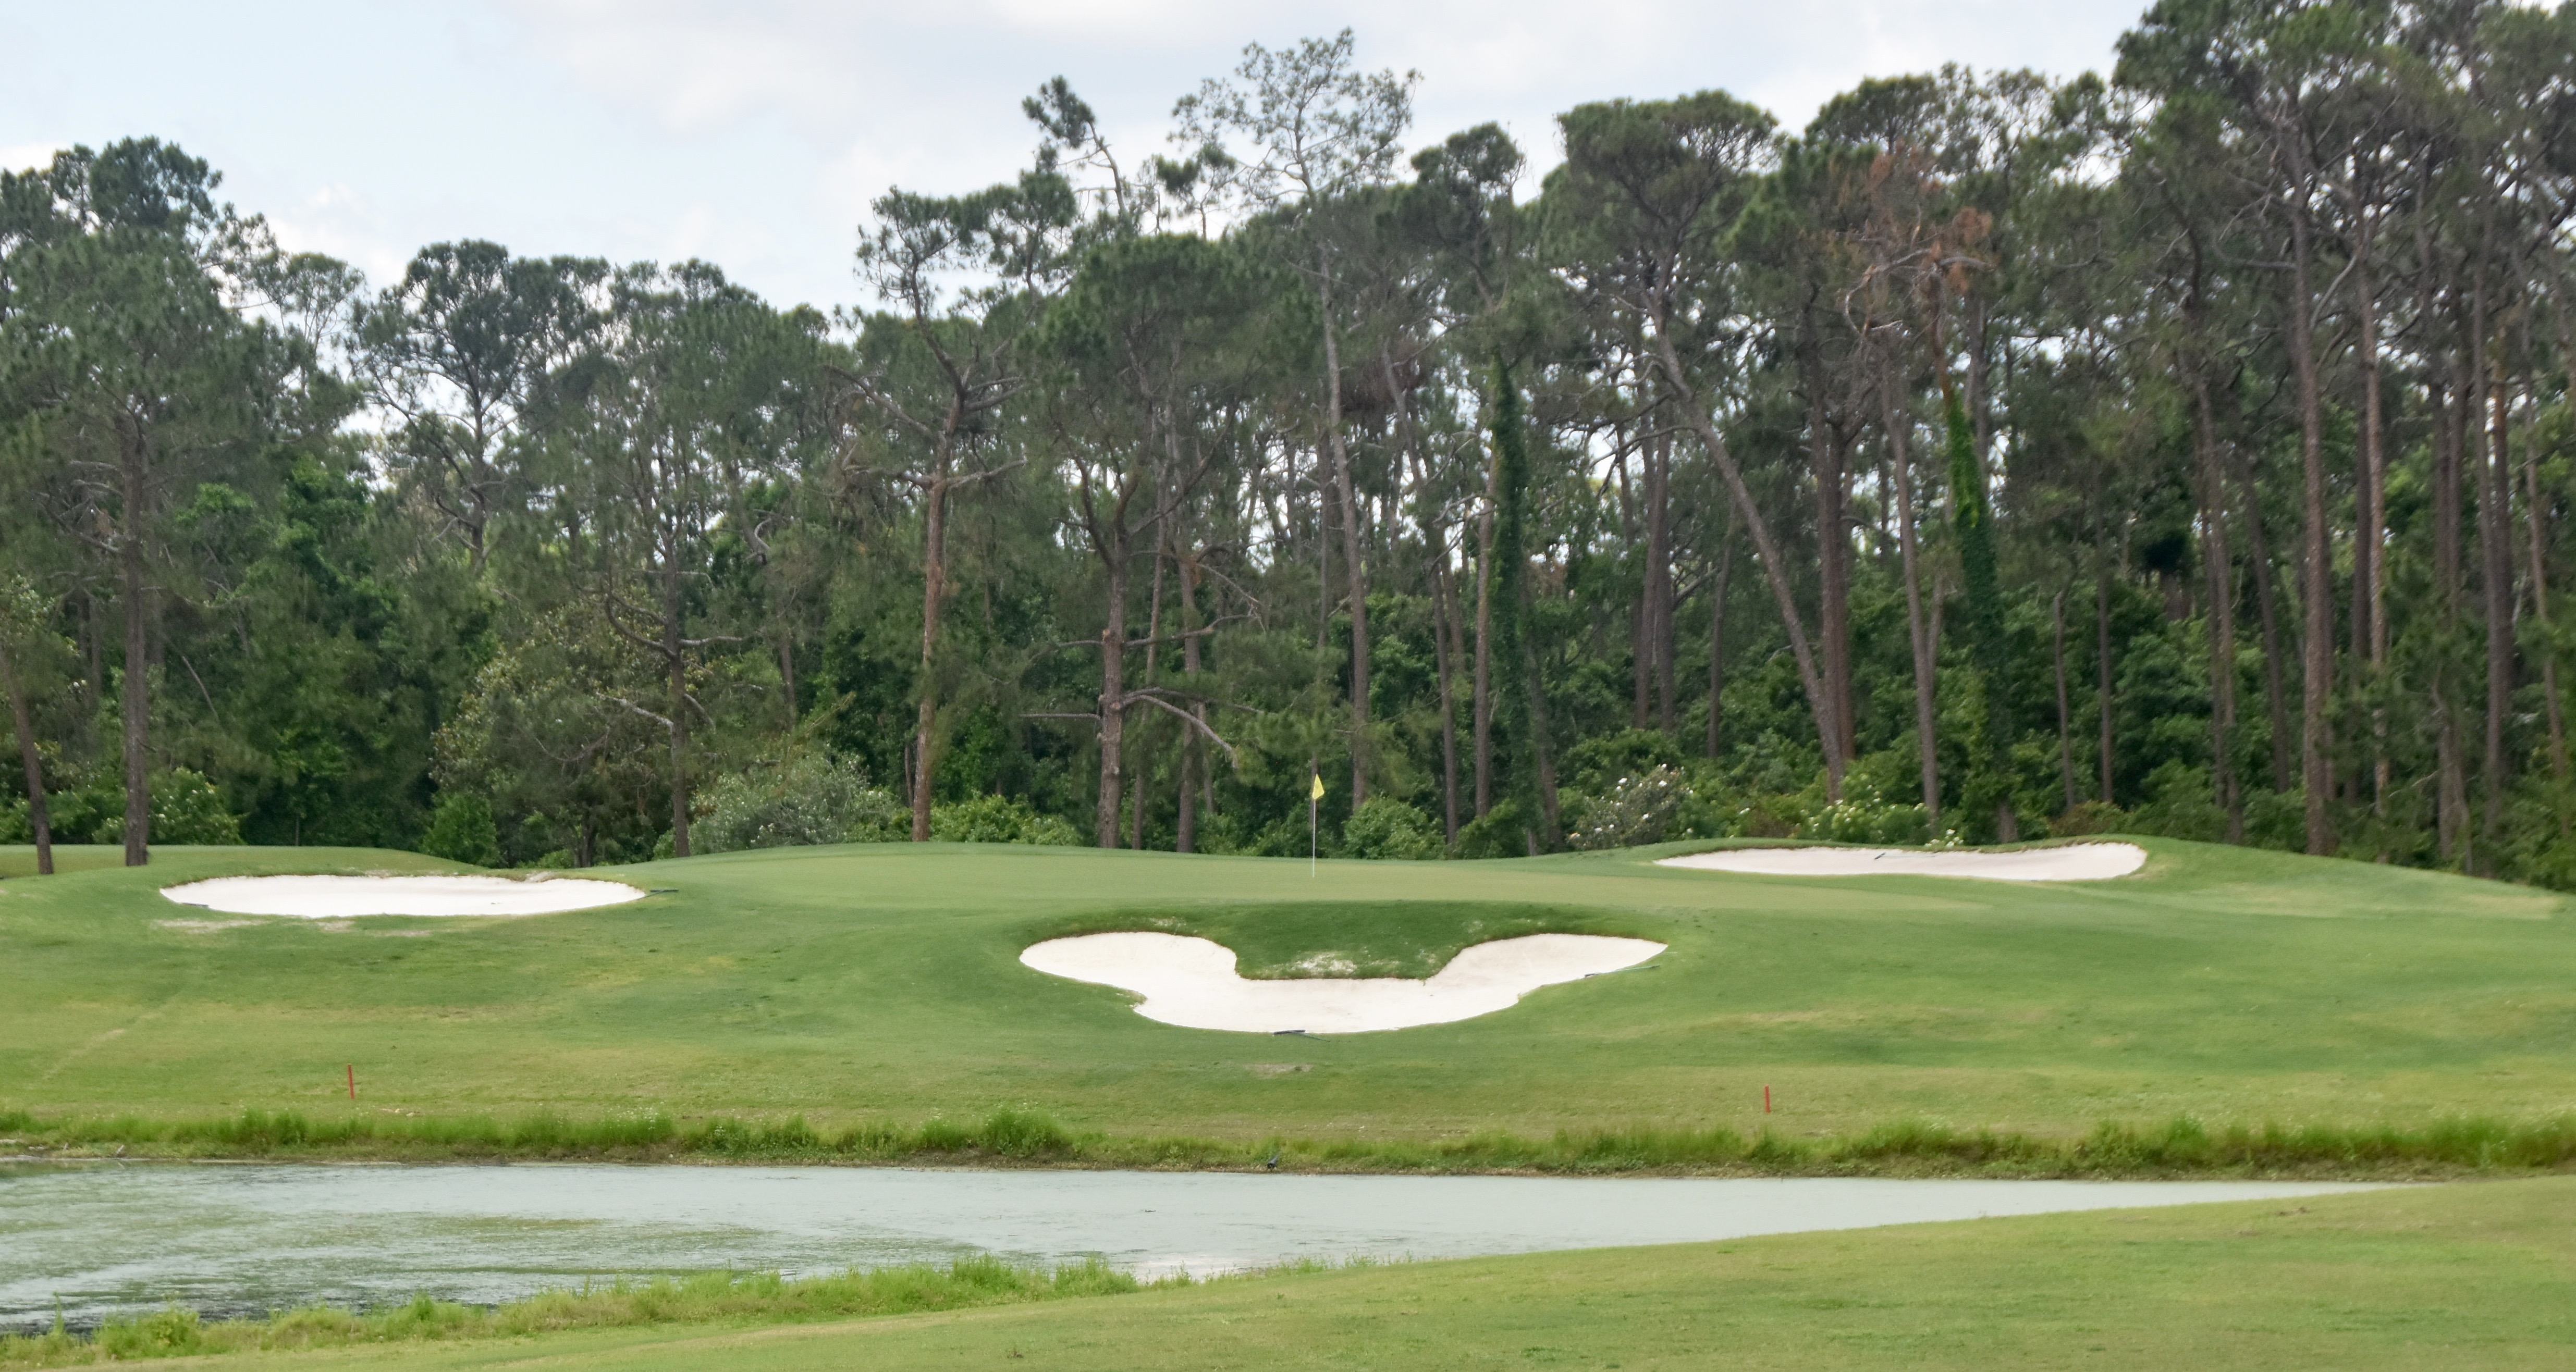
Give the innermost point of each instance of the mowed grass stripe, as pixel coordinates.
(874, 985)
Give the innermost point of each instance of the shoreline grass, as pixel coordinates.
(2181, 1148)
(704, 1298)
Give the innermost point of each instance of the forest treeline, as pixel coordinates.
(2183, 452)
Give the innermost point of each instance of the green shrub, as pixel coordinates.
(999, 819)
(186, 809)
(1635, 810)
(461, 829)
(1384, 827)
(806, 799)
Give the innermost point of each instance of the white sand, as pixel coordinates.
(343, 897)
(2074, 862)
(1191, 982)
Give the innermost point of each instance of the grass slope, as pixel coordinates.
(2470, 1275)
(860, 984)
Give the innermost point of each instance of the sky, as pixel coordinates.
(753, 133)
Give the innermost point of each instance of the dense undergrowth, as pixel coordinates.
(2183, 1147)
(705, 1298)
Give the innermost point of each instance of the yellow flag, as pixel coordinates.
(1318, 792)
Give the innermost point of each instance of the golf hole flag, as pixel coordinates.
(1314, 832)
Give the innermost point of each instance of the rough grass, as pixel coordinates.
(2180, 1148)
(700, 1299)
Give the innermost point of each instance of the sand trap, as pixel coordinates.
(342, 897)
(2074, 862)
(1191, 982)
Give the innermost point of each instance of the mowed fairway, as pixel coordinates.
(882, 982)
(2465, 1275)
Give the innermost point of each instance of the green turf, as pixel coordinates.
(2466, 1275)
(881, 983)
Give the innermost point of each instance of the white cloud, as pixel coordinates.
(755, 132)
(28, 156)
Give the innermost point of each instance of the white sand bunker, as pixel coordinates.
(1191, 982)
(2074, 862)
(343, 897)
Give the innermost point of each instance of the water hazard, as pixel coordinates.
(96, 1240)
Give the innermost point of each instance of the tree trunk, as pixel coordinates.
(675, 652)
(2316, 566)
(934, 594)
(2495, 545)
(1721, 581)
(2105, 745)
(1775, 570)
(22, 720)
(2554, 708)
(1484, 721)
(1153, 647)
(1659, 574)
(1113, 697)
(2065, 708)
(137, 702)
(2267, 604)
(2369, 563)
(1444, 645)
(2221, 571)
(1354, 568)
(1185, 825)
(1833, 573)
(1918, 628)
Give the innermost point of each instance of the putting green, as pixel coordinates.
(860, 983)
(2465, 1275)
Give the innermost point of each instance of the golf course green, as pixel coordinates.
(880, 983)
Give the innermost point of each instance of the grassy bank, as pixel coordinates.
(862, 984)
(2180, 1148)
(701, 1299)
(2436, 1277)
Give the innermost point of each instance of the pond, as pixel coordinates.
(103, 1239)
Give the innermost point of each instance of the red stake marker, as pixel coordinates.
(353, 1084)
(1766, 1095)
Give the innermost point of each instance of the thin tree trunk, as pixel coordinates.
(1354, 568)
(934, 594)
(1484, 722)
(675, 653)
(1775, 569)
(2316, 675)
(1444, 644)
(21, 719)
(2453, 408)
(2369, 570)
(787, 678)
(2495, 545)
(2555, 708)
(2221, 571)
(1918, 627)
(1717, 597)
(2065, 708)
(1113, 698)
(137, 702)
(2267, 604)
(1185, 824)
(1659, 574)
(1153, 646)
(1833, 575)
(2105, 746)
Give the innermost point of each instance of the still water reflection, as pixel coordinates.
(233, 1239)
